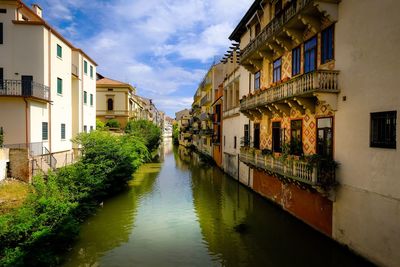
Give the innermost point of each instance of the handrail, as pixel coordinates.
(24, 88)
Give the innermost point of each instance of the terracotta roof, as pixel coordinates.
(108, 81)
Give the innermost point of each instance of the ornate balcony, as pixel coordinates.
(295, 169)
(284, 31)
(205, 100)
(299, 92)
(24, 89)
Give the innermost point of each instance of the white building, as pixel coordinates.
(47, 85)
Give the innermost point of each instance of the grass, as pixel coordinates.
(12, 195)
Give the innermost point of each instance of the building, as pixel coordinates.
(217, 125)
(325, 93)
(47, 89)
(116, 100)
(183, 119)
(236, 127)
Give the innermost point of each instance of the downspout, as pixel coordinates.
(27, 139)
(50, 97)
(82, 93)
(248, 174)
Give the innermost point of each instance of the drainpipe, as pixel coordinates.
(50, 97)
(248, 174)
(27, 139)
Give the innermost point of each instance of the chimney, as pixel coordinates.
(37, 9)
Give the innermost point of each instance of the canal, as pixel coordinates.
(179, 212)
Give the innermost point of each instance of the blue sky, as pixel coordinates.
(163, 47)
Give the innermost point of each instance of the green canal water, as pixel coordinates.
(178, 212)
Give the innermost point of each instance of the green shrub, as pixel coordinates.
(100, 125)
(113, 123)
(49, 220)
(147, 131)
(175, 133)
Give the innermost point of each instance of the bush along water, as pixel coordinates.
(39, 231)
(145, 130)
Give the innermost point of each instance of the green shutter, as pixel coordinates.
(59, 86)
(91, 99)
(84, 97)
(85, 66)
(59, 51)
(91, 71)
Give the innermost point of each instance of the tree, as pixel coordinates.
(147, 131)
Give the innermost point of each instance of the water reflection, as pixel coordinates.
(182, 212)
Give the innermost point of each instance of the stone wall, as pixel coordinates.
(20, 167)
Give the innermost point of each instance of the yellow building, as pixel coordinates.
(47, 88)
(115, 100)
(323, 75)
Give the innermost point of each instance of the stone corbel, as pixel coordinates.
(257, 63)
(296, 35)
(307, 103)
(274, 110)
(285, 109)
(284, 43)
(312, 22)
(265, 111)
(329, 99)
(329, 10)
(267, 54)
(295, 105)
(256, 114)
(249, 67)
(277, 48)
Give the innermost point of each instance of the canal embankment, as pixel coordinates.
(37, 232)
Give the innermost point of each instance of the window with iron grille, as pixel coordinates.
(62, 131)
(327, 45)
(296, 144)
(45, 131)
(277, 70)
(246, 139)
(383, 129)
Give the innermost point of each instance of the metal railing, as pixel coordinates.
(34, 149)
(49, 158)
(113, 112)
(317, 81)
(24, 88)
(205, 100)
(296, 169)
(273, 27)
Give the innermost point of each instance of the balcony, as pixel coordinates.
(207, 132)
(285, 31)
(295, 169)
(299, 92)
(205, 100)
(205, 116)
(74, 70)
(24, 89)
(113, 113)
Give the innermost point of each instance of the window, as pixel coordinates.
(110, 104)
(3, 10)
(91, 128)
(85, 128)
(327, 44)
(278, 7)
(91, 71)
(296, 144)
(257, 136)
(59, 51)
(84, 97)
(310, 55)
(276, 137)
(257, 80)
(85, 66)
(234, 142)
(45, 131)
(246, 138)
(59, 86)
(1, 33)
(383, 129)
(296, 61)
(62, 131)
(325, 137)
(277, 70)
(1, 78)
(91, 99)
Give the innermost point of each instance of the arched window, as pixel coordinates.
(110, 104)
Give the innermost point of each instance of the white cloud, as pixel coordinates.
(149, 43)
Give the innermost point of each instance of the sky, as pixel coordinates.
(162, 47)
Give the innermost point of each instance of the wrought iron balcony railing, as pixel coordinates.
(273, 27)
(24, 89)
(295, 169)
(308, 83)
(205, 100)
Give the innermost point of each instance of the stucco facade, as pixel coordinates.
(39, 90)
